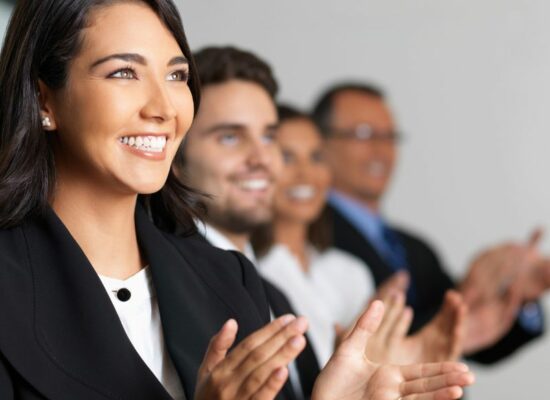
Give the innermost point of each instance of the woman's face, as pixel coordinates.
(126, 105)
(305, 179)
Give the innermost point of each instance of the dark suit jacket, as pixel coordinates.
(427, 274)
(60, 337)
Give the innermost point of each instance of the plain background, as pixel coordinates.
(469, 81)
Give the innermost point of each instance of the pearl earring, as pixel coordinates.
(46, 122)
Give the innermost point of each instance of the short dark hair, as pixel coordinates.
(221, 64)
(42, 38)
(322, 110)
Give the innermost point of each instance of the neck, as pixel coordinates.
(293, 235)
(103, 225)
(239, 240)
(371, 202)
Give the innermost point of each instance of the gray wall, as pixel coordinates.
(470, 83)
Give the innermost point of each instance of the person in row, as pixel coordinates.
(361, 147)
(328, 286)
(98, 299)
(232, 154)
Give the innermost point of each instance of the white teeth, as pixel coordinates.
(302, 192)
(152, 144)
(254, 184)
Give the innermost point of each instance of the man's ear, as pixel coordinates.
(46, 109)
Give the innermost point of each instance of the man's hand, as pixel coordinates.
(350, 375)
(442, 338)
(257, 367)
(488, 322)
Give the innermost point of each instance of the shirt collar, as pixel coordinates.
(359, 215)
(218, 239)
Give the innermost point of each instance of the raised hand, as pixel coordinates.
(257, 367)
(442, 338)
(350, 375)
(488, 322)
(495, 269)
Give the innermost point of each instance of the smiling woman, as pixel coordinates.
(96, 301)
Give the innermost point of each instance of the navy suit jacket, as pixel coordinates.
(428, 275)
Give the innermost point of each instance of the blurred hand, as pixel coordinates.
(538, 280)
(350, 375)
(495, 269)
(488, 322)
(257, 367)
(442, 338)
(398, 282)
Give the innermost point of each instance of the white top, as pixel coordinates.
(218, 239)
(140, 318)
(335, 290)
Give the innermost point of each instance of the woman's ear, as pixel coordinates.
(46, 112)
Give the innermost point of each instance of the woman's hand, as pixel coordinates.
(257, 367)
(350, 375)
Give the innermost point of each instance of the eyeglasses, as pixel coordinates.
(365, 133)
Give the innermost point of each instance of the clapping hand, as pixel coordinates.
(350, 375)
(254, 369)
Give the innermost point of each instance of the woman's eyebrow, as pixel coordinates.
(178, 60)
(137, 58)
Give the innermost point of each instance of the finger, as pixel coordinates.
(258, 376)
(450, 393)
(256, 339)
(218, 347)
(402, 326)
(535, 237)
(432, 384)
(278, 347)
(365, 327)
(417, 371)
(394, 305)
(457, 344)
(272, 386)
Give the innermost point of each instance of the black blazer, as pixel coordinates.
(428, 275)
(60, 336)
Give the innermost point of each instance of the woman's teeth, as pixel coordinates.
(153, 144)
(302, 192)
(254, 184)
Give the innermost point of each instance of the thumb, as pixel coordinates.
(365, 327)
(217, 348)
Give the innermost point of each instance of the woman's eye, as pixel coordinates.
(288, 158)
(126, 73)
(180, 75)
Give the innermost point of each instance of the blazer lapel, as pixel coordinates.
(75, 322)
(195, 296)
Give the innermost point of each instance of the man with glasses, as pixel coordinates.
(361, 147)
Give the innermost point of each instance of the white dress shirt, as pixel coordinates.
(218, 239)
(334, 290)
(140, 318)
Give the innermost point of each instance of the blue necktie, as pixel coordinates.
(395, 256)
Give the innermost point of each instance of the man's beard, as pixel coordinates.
(239, 221)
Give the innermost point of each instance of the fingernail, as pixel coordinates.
(297, 341)
(280, 373)
(301, 324)
(287, 319)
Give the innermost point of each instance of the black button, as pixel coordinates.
(123, 294)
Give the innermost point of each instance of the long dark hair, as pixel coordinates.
(318, 232)
(42, 38)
